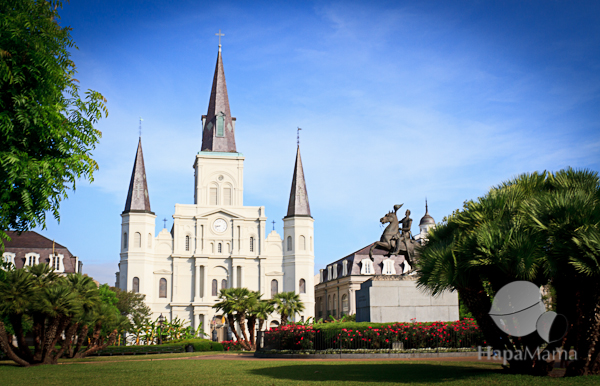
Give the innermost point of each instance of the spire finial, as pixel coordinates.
(273, 224)
(141, 127)
(219, 35)
(426, 208)
(165, 222)
(298, 137)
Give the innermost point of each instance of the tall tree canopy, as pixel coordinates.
(46, 129)
(540, 227)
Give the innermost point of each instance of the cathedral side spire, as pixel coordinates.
(298, 205)
(219, 127)
(137, 196)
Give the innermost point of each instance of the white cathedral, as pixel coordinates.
(217, 242)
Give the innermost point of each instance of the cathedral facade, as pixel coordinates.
(216, 242)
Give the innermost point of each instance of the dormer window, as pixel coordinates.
(335, 271)
(367, 267)
(329, 273)
(345, 268)
(388, 267)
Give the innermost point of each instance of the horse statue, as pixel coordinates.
(393, 240)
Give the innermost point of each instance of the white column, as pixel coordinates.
(233, 275)
(197, 286)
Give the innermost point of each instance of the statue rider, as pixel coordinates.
(405, 235)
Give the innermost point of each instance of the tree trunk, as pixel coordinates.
(251, 330)
(6, 347)
(111, 339)
(38, 335)
(81, 337)
(17, 324)
(68, 341)
(49, 357)
(284, 318)
(241, 319)
(231, 321)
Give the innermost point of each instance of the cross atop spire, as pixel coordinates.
(137, 196)
(141, 127)
(219, 35)
(219, 127)
(298, 205)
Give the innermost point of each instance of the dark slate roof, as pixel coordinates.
(138, 199)
(218, 105)
(354, 262)
(29, 240)
(33, 242)
(298, 205)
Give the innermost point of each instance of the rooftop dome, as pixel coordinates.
(427, 219)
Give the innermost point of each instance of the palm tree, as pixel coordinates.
(232, 303)
(540, 227)
(288, 304)
(262, 311)
(567, 215)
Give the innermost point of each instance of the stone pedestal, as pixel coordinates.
(396, 298)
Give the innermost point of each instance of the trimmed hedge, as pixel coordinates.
(171, 347)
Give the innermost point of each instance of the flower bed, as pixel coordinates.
(231, 345)
(397, 336)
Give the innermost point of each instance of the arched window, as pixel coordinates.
(125, 240)
(302, 286)
(227, 196)
(274, 288)
(137, 240)
(334, 306)
(251, 244)
(213, 196)
(223, 283)
(149, 240)
(345, 304)
(219, 248)
(302, 245)
(187, 243)
(214, 287)
(289, 243)
(136, 285)
(162, 288)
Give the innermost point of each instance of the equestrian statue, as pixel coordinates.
(396, 240)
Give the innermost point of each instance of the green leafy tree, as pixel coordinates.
(288, 304)
(46, 130)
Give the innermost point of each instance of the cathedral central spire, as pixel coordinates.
(219, 127)
(298, 205)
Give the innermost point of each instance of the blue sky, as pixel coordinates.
(398, 101)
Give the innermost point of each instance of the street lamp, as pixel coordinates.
(161, 319)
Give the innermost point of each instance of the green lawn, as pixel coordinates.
(142, 371)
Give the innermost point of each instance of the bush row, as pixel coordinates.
(171, 347)
(400, 336)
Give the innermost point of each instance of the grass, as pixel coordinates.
(268, 372)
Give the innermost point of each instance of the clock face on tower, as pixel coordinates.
(220, 225)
